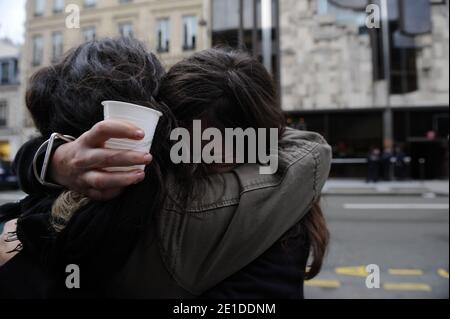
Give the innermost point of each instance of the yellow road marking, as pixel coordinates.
(357, 271)
(443, 273)
(406, 286)
(406, 272)
(322, 283)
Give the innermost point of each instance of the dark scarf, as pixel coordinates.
(98, 238)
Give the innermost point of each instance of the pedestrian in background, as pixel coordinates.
(386, 164)
(401, 164)
(374, 163)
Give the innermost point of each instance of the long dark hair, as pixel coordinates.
(231, 89)
(318, 237)
(66, 97)
(224, 89)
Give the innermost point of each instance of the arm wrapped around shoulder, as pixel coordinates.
(319, 152)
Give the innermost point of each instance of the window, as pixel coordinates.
(57, 46)
(225, 22)
(404, 76)
(189, 32)
(403, 71)
(3, 113)
(90, 3)
(38, 50)
(39, 7)
(163, 35)
(4, 71)
(225, 14)
(58, 6)
(126, 29)
(14, 75)
(238, 24)
(8, 71)
(341, 10)
(89, 34)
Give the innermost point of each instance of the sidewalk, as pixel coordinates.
(11, 196)
(360, 187)
(341, 187)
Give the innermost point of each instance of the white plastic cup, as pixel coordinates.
(143, 117)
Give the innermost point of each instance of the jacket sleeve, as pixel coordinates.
(23, 166)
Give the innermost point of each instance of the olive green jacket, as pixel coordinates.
(241, 215)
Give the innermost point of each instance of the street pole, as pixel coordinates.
(388, 134)
(255, 30)
(388, 130)
(241, 41)
(266, 22)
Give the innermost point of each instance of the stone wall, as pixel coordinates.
(326, 64)
(105, 17)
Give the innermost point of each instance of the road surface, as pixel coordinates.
(406, 237)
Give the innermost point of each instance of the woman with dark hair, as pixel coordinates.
(230, 89)
(66, 97)
(219, 231)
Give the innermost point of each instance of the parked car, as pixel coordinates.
(8, 180)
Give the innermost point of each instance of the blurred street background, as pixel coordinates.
(401, 227)
(372, 76)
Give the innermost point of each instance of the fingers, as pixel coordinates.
(7, 247)
(104, 130)
(7, 251)
(10, 226)
(99, 158)
(106, 181)
(103, 186)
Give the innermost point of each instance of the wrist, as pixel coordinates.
(42, 172)
(55, 171)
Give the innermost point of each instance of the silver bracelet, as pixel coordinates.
(49, 144)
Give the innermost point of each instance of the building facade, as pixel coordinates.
(173, 29)
(332, 81)
(329, 60)
(10, 102)
(328, 64)
(330, 67)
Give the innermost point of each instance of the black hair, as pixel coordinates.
(66, 97)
